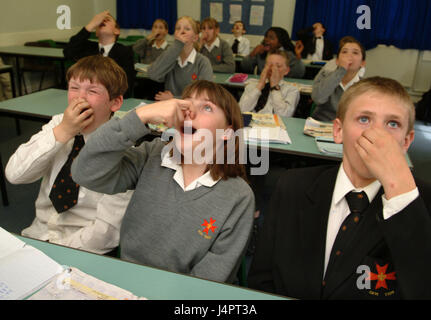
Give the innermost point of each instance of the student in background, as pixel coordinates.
(329, 85)
(275, 38)
(312, 44)
(5, 85)
(359, 230)
(154, 44)
(180, 64)
(270, 93)
(239, 44)
(214, 48)
(107, 31)
(66, 213)
(187, 215)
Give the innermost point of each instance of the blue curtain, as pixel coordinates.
(406, 24)
(140, 14)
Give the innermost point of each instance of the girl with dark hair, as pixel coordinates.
(276, 38)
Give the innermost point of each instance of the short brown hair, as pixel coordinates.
(211, 22)
(349, 39)
(381, 85)
(163, 21)
(228, 104)
(100, 69)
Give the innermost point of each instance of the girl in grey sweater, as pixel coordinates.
(154, 44)
(180, 64)
(186, 215)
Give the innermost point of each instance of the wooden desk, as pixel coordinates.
(55, 54)
(144, 281)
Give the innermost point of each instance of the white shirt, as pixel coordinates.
(93, 224)
(191, 58)
(243, 46)
(107, 48)
(163, 46)
(213, 45)
(351, 82)
(339, 209)
(318, 53)
(203, 180)
(282, 102)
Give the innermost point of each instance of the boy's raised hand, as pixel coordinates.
(385, 159)
(171, 113)
(77, 116)
(275, 76)
(264, 75)
(97, 20)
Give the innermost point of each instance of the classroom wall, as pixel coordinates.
(29, 20)
(411, 67)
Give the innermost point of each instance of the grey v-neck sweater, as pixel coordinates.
(164, 226)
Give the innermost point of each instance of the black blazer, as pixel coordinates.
(290, 252)
(309, 42)
(79, 46)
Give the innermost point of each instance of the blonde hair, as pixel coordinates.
(194, 27)
(281, 53)
(381, 85)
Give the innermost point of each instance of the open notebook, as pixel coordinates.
(26, 272)
(266, 128)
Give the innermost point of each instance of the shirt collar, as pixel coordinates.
(216, 43)
(204, 180)
(163, 46)
(351, 82)
(191, 58)
(107, 48)
(343, 185)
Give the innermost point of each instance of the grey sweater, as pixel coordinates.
(163, 225)
(327, 93)
(166, 69)
(147, 53)
(221, 57)
(297, 68)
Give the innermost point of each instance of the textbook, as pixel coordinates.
(266, 128)
(141, 67)
(28, 273)
(317, 128)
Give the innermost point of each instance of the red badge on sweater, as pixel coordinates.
(218, 58)
(194, 76)
(208, 226)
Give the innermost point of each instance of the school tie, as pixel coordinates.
(64, 192)
(264, 94)
(102, 51)
(235, 46)
(358, 202)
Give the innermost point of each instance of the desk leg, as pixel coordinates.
(3, 185)
(12, 82)
(18, 74)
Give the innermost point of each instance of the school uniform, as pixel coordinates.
(80, 46)
(148, 51)
(243, 45)
(297, 68)
(201, 229)
(327, 92)
(176, 75)
(315, 48)
(392, 238)
(93, 224)
(282, 102)
(220, 55)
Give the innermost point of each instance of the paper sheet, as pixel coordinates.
(23, 268)
(74, 284)
(235, 13)
(256, 15)
(216, 11)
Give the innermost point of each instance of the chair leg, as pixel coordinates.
(3, 185)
